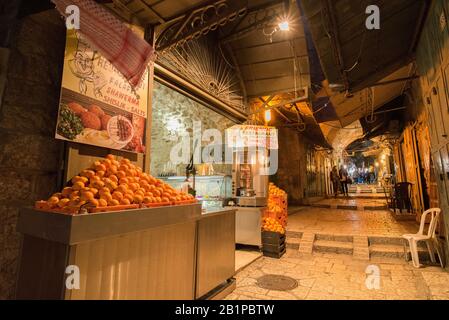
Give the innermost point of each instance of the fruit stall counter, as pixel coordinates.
(173, 252)
(216, 254)
(134, 254)
(115, 232)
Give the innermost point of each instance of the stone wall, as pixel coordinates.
(173, 116)
(291, 175)
(30, 157)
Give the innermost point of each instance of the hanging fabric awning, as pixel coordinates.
(124, 49)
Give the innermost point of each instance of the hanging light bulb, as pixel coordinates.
(267, 116)
(284, 26)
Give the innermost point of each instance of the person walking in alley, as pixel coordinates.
(344, 180)
(335, 178)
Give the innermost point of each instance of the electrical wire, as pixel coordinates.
(335, 127)
(224, 57)
(357, 60)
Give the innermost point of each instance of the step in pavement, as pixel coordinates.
(306, 243)
(359, 246)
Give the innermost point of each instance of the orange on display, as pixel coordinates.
(275, 217)
(112, 184)
(272, 225)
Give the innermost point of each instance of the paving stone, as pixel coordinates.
(300, 292)
(252, 289)
(307, 283)
(282, 295)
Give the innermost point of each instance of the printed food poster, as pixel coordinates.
(97, 105)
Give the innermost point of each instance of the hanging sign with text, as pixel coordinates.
(97, 105)
(250, 136)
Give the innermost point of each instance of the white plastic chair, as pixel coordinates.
(429, 238)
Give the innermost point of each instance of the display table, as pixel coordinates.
(134, 254)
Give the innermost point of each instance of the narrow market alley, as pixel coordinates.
(224, 150)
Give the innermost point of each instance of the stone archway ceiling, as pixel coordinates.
(341, 137)
(369, 148)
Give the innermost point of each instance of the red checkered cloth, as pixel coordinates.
(129, 53)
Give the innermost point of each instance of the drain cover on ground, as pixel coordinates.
(277, 282)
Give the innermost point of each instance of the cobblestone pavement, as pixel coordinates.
(353, 201)
(349, 222)
(361, 204)
(339, 277)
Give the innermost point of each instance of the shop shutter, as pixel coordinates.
(437, 113)
(440, 92)
(444, 175)
(432, 122)
(429, 61)
(423, 64)
(445, 87)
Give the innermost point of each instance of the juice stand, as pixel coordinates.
(254, 154)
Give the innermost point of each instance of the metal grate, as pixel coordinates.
(277, 282)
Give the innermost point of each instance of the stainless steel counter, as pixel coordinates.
(216, 250)
(248, 222)
(160, 253)
(73, 229)
(135, 254)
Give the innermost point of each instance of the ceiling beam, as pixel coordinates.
(300, 38)
(272, 60)
(419, 26)
(275, 77)
(386, 70)
(280, 105)
(383, 83)
(266, 103)
(154, 12)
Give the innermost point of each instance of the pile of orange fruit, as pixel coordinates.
(272, 225)
(273, 190)
(277, 205)
(113, 183)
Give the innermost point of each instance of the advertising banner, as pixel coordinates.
(97, 105)
(247, 136)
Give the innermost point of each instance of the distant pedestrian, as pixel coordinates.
(344, 180)
(335, 178)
